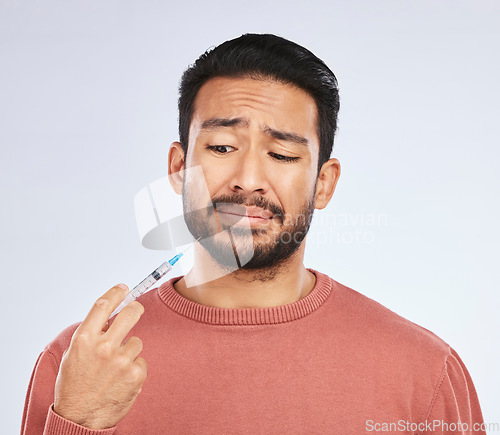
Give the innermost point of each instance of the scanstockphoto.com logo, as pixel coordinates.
(437, 426)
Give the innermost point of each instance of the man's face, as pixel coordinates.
(256, 142)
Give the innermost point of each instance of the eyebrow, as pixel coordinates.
(215, 123)
(286, 136)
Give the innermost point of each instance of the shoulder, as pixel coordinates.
(373, 324)
(402, 353)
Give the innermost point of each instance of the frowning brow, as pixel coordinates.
(215, 123)
(286, 136)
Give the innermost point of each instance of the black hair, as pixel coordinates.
(265, 56)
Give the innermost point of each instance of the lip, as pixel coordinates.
(236, 215)
(242, 211)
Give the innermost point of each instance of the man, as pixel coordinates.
(271, 347)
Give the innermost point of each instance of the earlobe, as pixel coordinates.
(176, 166)
(326, 183)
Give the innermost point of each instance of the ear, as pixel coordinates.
(176, 165)
(326, 183)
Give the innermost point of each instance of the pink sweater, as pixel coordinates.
(332, 362)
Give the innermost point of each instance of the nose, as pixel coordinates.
(249, 175)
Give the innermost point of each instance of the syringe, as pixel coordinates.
(149, 281)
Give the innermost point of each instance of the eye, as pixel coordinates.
(282, 158)
(220, 149)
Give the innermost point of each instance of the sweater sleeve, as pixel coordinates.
(455, 405)
(38, 416)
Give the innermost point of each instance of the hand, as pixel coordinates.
(99, 377)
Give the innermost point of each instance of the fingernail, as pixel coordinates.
(123, 286)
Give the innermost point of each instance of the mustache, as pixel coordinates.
(257, 201)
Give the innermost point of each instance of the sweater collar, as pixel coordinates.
(247, 316)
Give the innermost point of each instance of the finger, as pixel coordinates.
(142, 368)
(124, 322)
(99, 314)
(132, 347)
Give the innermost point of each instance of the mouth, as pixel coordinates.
(237, 212)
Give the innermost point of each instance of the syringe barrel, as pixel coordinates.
(151, 279)
(144, 285)
(163, 269)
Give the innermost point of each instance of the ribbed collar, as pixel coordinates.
(247, 316)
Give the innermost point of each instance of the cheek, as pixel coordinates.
(195, 183)
(294, 190)
(206, 182)
(297, 185)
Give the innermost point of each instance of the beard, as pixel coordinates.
(242, 247)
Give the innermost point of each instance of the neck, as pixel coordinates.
(208, 285)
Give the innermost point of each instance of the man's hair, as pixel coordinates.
(265, 57)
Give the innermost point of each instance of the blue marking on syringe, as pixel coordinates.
(174, 260)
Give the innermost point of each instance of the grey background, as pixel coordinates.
(88, 109)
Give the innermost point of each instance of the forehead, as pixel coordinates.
(264, 102)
